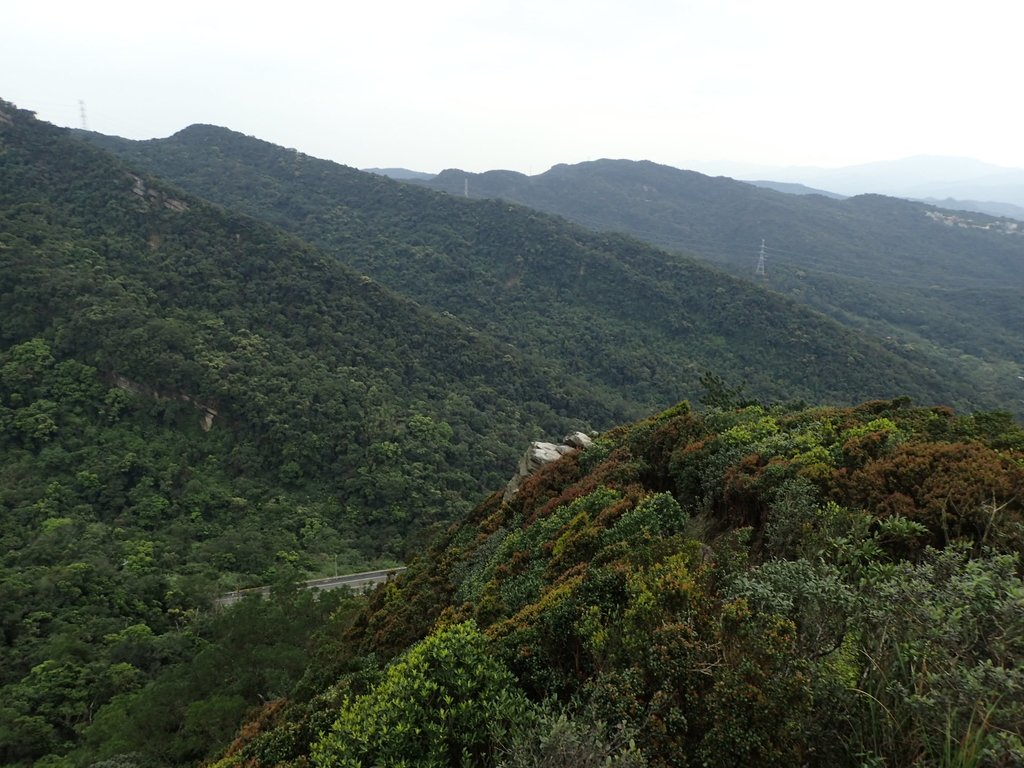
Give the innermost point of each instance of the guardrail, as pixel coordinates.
(357, 582)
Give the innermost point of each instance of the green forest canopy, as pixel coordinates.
(635, 321)
(192, 401)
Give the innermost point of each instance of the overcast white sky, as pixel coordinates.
(526, 84)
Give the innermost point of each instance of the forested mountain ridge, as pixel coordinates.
(202, 296)
(193, 401)
(626, 317)
(688, 210)
(950, 285)
(744, 586)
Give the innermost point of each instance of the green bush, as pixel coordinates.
(442, 704)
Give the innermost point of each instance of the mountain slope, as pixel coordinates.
(210, 297)
(1003, 210)
(738, 587)
(623, 316)
(192, 401)
(951, 286)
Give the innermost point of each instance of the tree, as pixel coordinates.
(442, 704)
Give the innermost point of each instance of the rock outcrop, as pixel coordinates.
(207, 412)
(540, 454)
(155, 197)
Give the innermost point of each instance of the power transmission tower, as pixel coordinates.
(760, 261)
(81, 109)
(465, 190)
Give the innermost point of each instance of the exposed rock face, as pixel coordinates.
(155, 197)
(577, 440)
(540, 454)
(207, 412)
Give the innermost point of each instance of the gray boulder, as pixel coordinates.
(540, 454)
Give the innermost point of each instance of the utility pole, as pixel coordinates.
(760, 261)
(465, 189)
(81, 110)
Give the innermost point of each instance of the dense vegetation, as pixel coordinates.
(747, 586)
(953, 293)
(636, 321)
(192, 401)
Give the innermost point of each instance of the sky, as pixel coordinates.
(710, 85)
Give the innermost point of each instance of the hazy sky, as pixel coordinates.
(434, 84)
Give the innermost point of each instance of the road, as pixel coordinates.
(357, 582)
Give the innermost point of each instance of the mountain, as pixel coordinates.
(738, 587)
(401, 174)
(999, 210)
(950, 287)
(192, 401)
(791, 188)
(214, 302)
(633, 320)
(922, 176)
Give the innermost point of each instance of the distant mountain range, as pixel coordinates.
(401, 174)
(949, 285)
(959, 184)
(633, 321)
(949, 203)
(951, 182)
(918, 177)
(978, 206)
(791, 188)
(945, 289)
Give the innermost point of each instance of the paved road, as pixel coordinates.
(357, 582)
